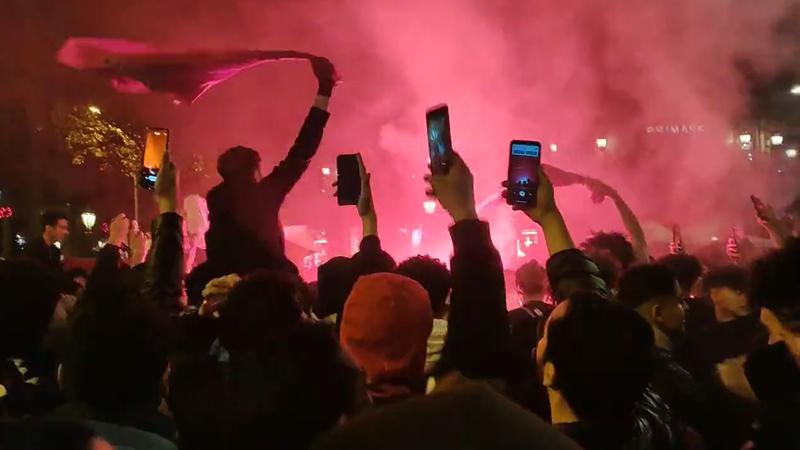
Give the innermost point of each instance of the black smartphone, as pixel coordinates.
(440, 145)
(155, 144)
(523, 172)
(348, 179)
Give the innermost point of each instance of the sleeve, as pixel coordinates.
(288, 172)
(477, 341)
(164, 271)
(570, 271)
(371, 258)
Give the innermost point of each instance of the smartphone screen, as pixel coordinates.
(348, 180)
(440, 146)
(155, 145)
(523, 172)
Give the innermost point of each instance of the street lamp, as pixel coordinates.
(602, 143)
(746, 141)
(89, 219)
(776, 139)
(795, 90)
(791, 153)
(429, 206)
(553, 148)
(326, 171)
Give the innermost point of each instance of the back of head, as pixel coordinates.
(775, 284)
(116, 355)
(335, 280)
(687, 269)
(609, 268)
(433, 275)
(645, 283)
(238, 163)
(28, 300)
(51, 218)
(262, 304)
(294, 387)
(730, 276)
(385, 327)
(615, 244)
(602, 353)
(531, 278)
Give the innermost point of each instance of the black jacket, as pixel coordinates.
(684, 395)
(49, 256)
(245, 232)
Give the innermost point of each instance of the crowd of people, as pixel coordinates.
(609, 349)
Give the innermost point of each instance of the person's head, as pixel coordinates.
(598, 356)
(775, 287)
(433, 275)
(54, 226)
(531, 280)
(335, 280)
(687, 270)
(27, 303)
(385, 327)
(239, 164)
(611, 243)
(608, 266)
(116, 355)
(293, 388)
(727, 287)
(652, 290)
(262, 304)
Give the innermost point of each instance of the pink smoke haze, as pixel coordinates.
(562, 72)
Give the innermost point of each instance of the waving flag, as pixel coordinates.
(138, 68)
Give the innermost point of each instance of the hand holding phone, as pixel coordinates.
(155, 145)
(523, 173)
(440, 145)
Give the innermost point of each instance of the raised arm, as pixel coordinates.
(371, 257)
(164, 271)
(568, 269)
(288, 172)
(600, 191)
(477, 341)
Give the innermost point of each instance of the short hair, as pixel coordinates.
(298, 385)
(603, 357)
(607, 267)
(51, 218)
(531, 278)
(433, 275)
(729, 276)
(29, 297)
(615, 243)
(687, 269)
(237, 162)
(775, 284)
(644, 283)
(264, 303)
(116, 353)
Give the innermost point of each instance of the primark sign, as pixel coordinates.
(682, 128)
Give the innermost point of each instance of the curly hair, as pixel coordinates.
(612, 242)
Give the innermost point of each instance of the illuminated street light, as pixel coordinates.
(776, 139)
(326, 171)
(553, 148)
(89, 219)
(795, 90)
(602, 143)
(94, 109)
(429, 206)
(745, 138)
(791, 153)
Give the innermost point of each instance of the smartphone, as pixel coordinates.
(440, 145)
(523, 172)
(348, 180)
(155, 144)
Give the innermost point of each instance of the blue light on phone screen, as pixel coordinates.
(529, 150)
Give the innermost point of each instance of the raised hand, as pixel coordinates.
(454, 190)
(599, 190)
(366, 207)
(118, 230)
(139, 243)
(545, 200)
(216, 293)
(167, 186)
(326, 75)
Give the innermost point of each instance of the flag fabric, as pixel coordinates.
(138, 68)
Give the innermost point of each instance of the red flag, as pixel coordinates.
(137, 68)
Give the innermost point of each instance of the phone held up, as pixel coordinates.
(523, 173)
(348, 180)
(440, 145)
(155, 144)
